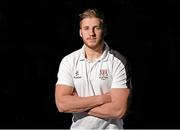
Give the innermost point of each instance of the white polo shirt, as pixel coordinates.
(94, 78)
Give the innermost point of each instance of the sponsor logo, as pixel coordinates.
(103, 75)
(77, 76)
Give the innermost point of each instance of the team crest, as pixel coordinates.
(103, 74)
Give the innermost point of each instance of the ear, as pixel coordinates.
(80, 32)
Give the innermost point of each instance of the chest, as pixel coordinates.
(92, 78)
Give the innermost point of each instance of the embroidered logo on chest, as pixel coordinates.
(77, 75)
(103, 74)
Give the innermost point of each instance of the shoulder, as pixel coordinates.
(116, 56)
(119, 60)
(72, 56)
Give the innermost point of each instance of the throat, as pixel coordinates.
(94, 54)
(92, 58)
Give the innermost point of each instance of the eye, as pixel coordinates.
(85, 28)
(98, 28)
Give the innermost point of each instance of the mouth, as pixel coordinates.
(91, 39)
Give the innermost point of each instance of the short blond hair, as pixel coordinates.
(90, 13)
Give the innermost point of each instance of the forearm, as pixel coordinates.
(107, 111)
(114, 109)
(70, 103)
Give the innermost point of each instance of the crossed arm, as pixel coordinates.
(110, 105)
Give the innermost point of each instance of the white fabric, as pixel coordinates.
(91, 79)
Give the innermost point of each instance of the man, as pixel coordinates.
(94, 81)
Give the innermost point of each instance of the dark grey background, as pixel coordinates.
(36, 34)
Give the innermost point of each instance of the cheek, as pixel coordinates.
(99, 33)
(83, 35)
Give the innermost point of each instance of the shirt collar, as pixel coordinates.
(102, 57)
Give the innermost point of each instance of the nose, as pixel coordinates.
(91, 32)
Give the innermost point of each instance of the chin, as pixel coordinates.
(92, 46)
(91, 43)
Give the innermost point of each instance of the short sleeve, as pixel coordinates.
(65, 73)
(121, 74)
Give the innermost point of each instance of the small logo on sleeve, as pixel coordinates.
(103, 75)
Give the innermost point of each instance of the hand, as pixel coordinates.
(106, 97)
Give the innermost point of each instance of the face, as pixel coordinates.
(92, 32)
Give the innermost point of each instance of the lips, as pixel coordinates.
(91, 39)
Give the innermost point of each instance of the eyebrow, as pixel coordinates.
(93, 26)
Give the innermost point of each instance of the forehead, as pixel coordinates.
(91, 21)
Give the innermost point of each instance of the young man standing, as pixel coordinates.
(94, 81)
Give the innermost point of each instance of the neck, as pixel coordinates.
(93, 54)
